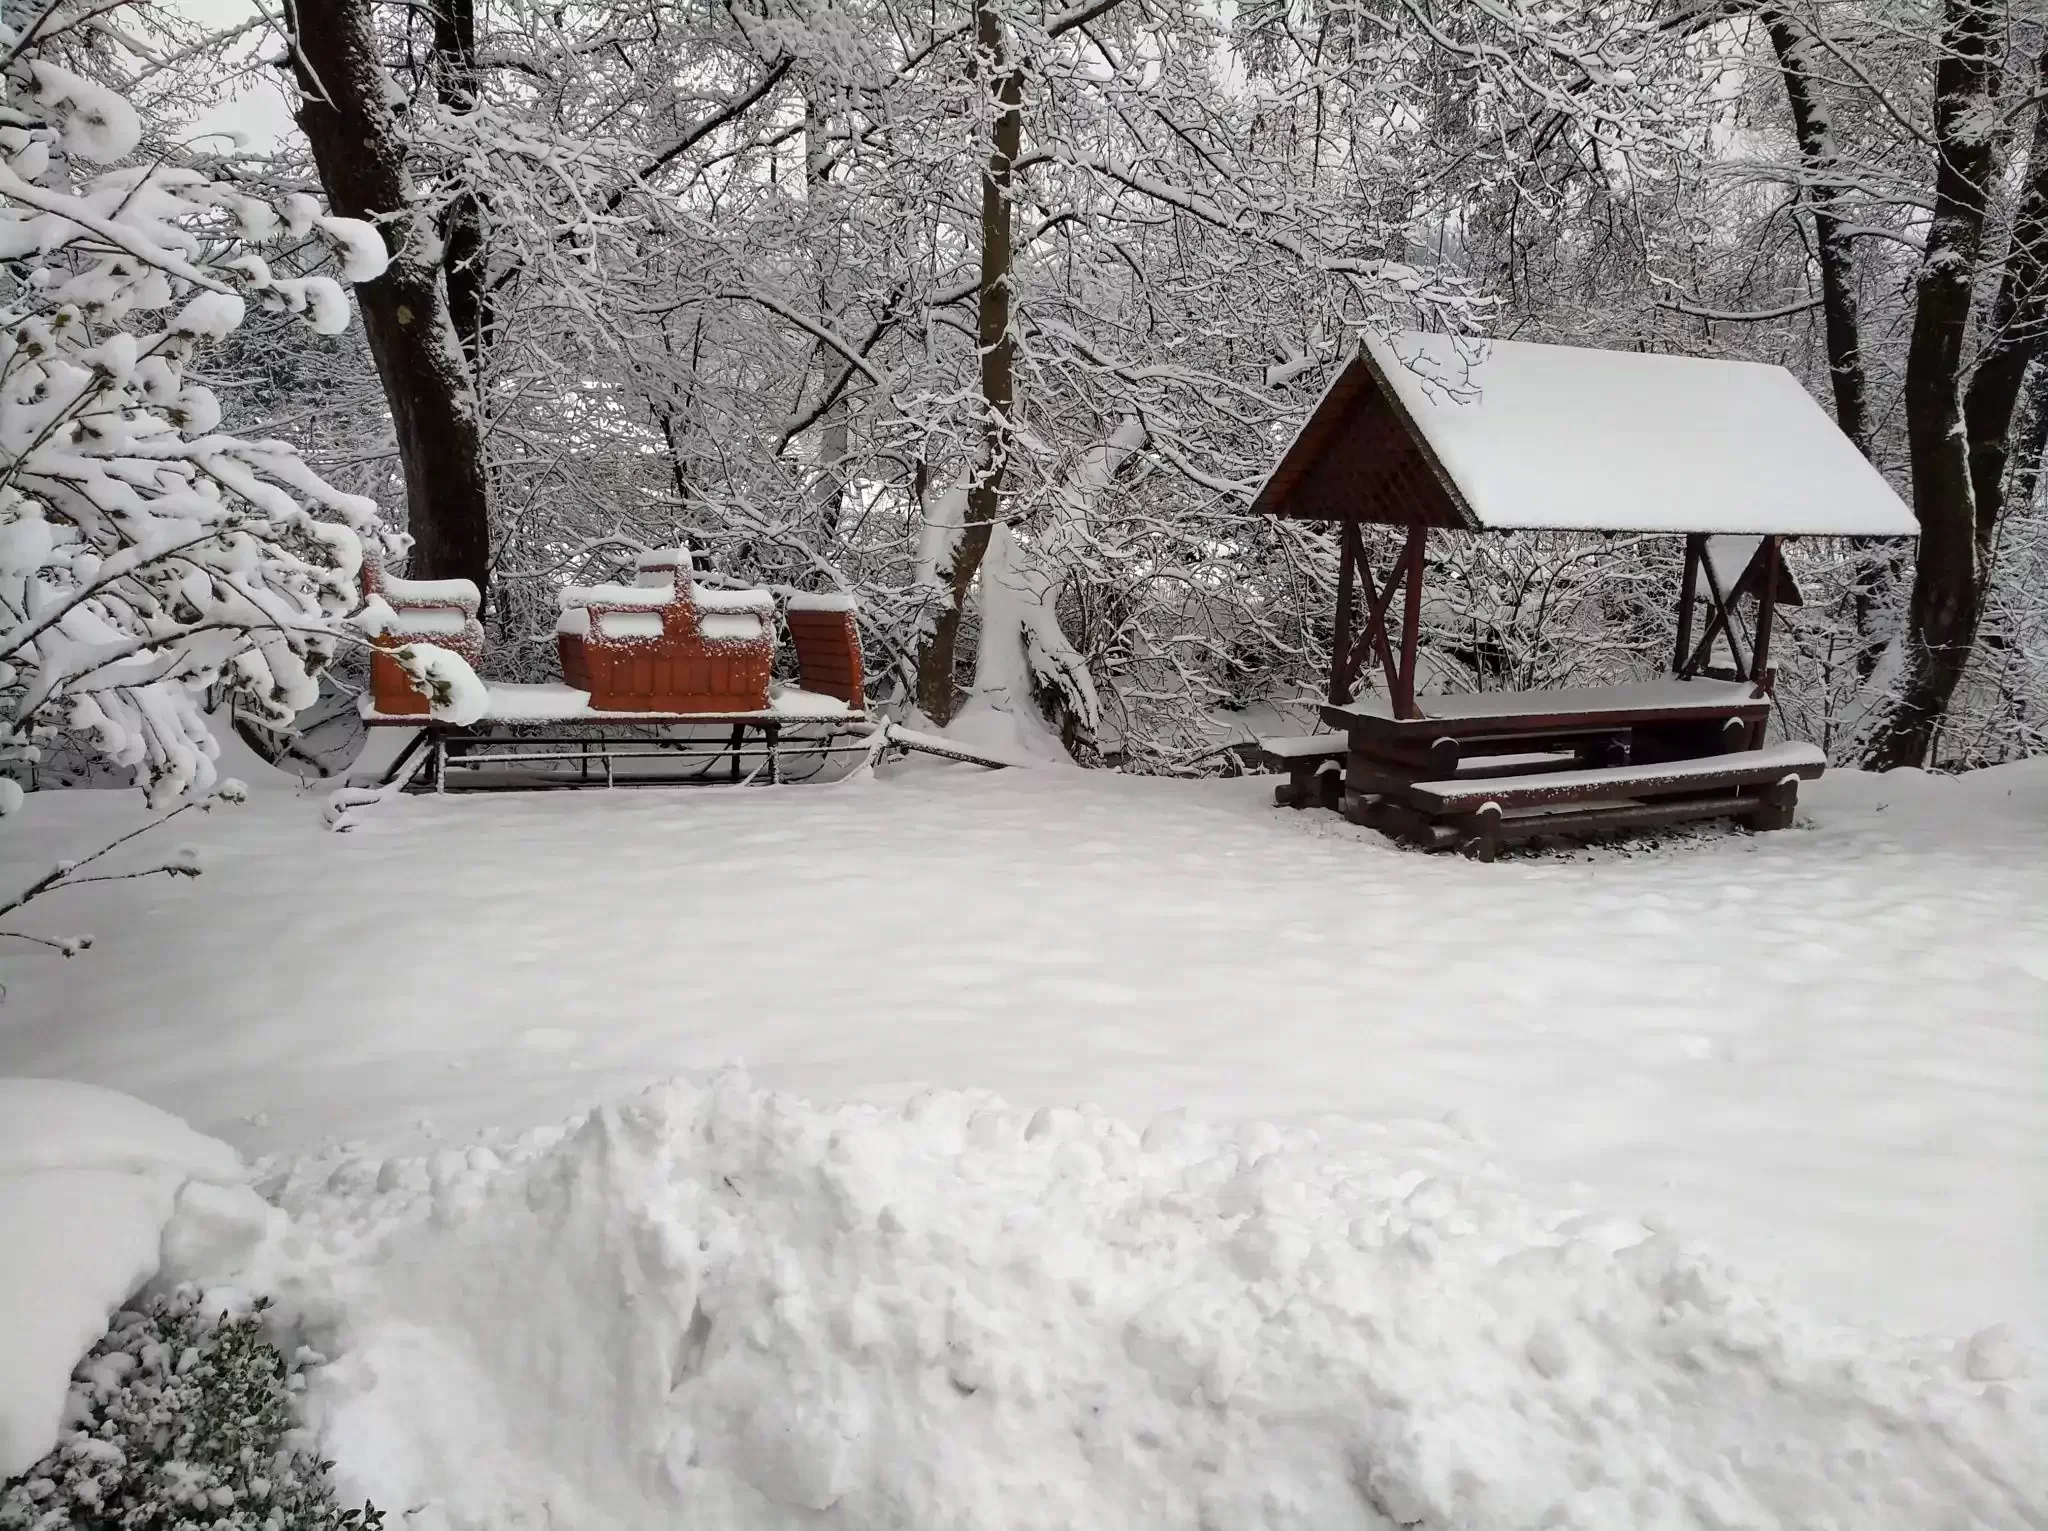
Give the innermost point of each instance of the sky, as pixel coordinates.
(261, 115)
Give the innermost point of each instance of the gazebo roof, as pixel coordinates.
(1500, 435)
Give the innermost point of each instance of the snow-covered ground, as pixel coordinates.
(1817, 1054)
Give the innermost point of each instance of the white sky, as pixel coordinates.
(261, 114)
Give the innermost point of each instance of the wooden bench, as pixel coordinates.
(1480, 815)
(1316, 771)
(1314, 767)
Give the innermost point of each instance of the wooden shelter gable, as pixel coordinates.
(1360, 458)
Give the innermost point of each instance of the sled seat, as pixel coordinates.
(442, 612)
(827, 639)
(666, 644)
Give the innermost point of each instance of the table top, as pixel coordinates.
(1588, 707)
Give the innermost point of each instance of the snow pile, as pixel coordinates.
(718, 1306)
(97, 1192)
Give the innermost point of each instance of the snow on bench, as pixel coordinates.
(1746, 768)
(1305, 747)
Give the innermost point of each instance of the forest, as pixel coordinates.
(993, 317)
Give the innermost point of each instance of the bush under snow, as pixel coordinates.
(181, 1421)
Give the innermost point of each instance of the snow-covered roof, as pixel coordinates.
(1497, 435)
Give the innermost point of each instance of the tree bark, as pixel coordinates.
(828, 488)
(2018, 334)
(1841, 315)
(348, 120)
(1948, 585)
(936, 656)
(462, 221)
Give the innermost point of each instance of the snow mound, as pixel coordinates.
(59, 1124)
(1006, 733)
(97, 1191)
(717, 1306)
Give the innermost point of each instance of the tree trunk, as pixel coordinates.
(936, 655)
(828, 488)
(347, 118)
(462, 221)
(1840, 306)
(1948, 585)
(2018, 334)
(1819, 157)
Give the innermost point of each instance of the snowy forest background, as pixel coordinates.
(994, 315)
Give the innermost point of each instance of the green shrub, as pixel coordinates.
(181, 1420)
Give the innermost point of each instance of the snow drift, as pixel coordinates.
(721, 1307)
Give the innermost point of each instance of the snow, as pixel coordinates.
(460, 593)
(1729, 557)
(1566, 437)
(723, 628)
(574, 596)
(554, 702)
(707, 599)
(831, 600)
(717, 1305)
(89, 1179)
(629, 624)
(1792, 758)
(1667, 694)
(1657, 1187)
(1305, 746)
(379, 616)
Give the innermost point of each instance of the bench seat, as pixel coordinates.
(1311, 764)
(1745, 768)
(1278, 751)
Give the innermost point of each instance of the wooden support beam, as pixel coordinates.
(1720, 620)
(1376, 603)
(1340, 636)
(1411, 620)
(1766, 607)
(1688, 592)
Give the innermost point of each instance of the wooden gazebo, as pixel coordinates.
(1431, 432)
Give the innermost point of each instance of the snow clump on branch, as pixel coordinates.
(144, 555)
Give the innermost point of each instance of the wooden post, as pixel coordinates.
(1340, 636)
(1766, 606)
(1411, 622)
(1688, 592)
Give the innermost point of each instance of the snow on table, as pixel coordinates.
(1564, 437)
(1304, 746)
(1666, 695)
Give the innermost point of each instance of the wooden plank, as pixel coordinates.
(1521, 724)
(1411, 621)
(1304, 747)
(1751, 768)
(1589, 821)
(1400, 821)
(1340, 633)
(1688, 592)
(1766, 605)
